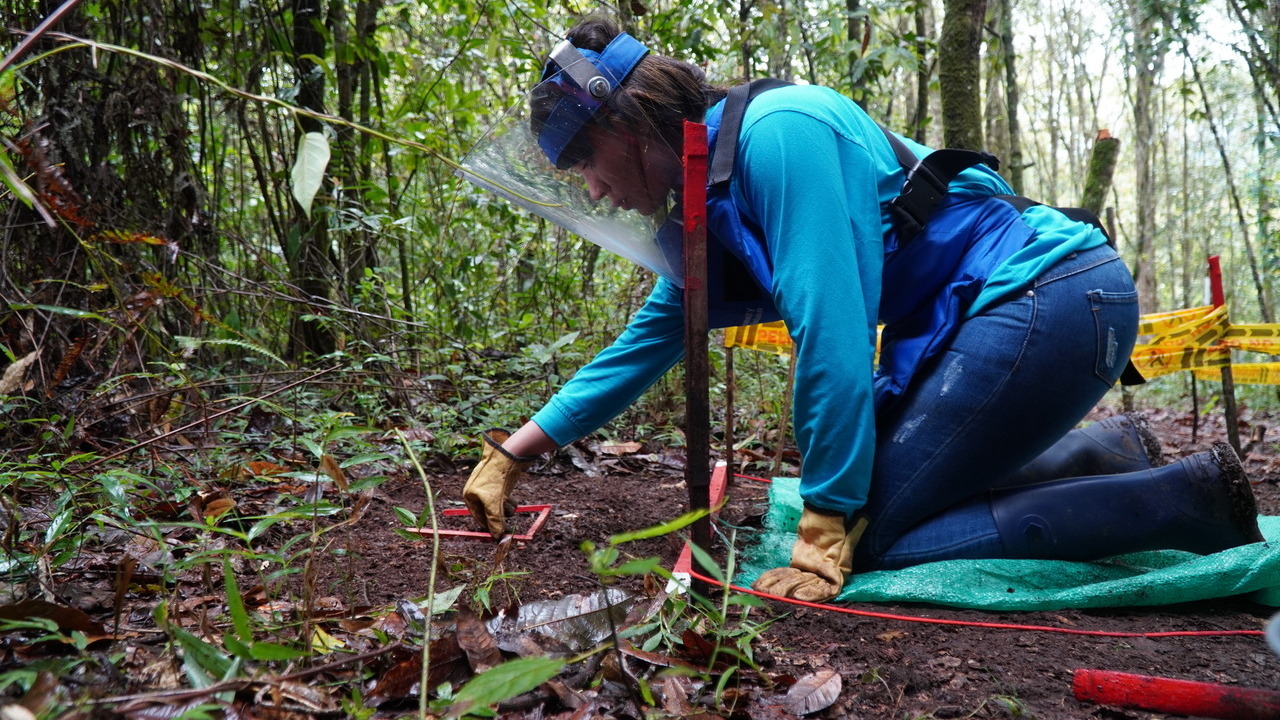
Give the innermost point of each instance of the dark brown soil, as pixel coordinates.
(891, 668)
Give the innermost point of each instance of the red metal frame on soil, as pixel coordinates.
(543, 511)
(715, 493)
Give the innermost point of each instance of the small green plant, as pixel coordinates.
(724, 618)
(240, 641)
(483, 594)
(1013, 706)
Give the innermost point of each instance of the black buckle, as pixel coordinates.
(921, 193)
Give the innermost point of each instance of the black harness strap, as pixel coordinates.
(735, 106)
(927, 182)
(1073, 213)
(925, 186)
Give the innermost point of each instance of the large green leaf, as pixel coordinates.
(16, 184)
(204, 663)
(503, 682)
(308, 169)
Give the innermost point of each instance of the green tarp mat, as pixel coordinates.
(1139, 579)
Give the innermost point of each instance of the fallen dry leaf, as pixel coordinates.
(625, 448)
(400, 681)
(675, 696)
(68, 619)
(216, 508)
(331, 468)
(261, 468)
(13, 374)
(814, 692)
(476, 641)
(697, 648)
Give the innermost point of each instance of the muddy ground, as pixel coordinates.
(890, 668)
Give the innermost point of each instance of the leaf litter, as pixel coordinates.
(352, 600)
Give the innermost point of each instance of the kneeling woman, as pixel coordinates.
(1005, 322)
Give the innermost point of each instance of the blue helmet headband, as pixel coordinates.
(586, 79)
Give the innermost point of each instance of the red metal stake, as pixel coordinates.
(697, 428)
(1180, 697)
(1219, 298)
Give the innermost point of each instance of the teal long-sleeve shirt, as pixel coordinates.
(813, 172)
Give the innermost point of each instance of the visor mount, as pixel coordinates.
(579, 84)
(598, 87)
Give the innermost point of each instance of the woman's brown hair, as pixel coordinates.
(655, 99)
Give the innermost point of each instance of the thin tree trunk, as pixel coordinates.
(780, 52)
(924, 71)
(857, 31)
(1102, 167)
(1146, 63)
(1263, 304)
(959, 73)
(1191, 255)
(1013, 165)
(806, 45)
(1055, 134)
(1263, 53)
(996, 128)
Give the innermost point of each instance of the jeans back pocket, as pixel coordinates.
(1115, 318)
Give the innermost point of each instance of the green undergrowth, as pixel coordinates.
(188, 543)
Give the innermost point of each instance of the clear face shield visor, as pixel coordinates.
(558, 155)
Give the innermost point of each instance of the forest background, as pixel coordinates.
(234, 232)
(157, 253)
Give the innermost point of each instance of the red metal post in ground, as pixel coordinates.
(697, 422)
(1219, 298)
(1216, 295)
(1179, 697)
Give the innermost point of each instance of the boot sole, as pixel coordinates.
(1136, 425)
(1244, 507)
(1150, 443)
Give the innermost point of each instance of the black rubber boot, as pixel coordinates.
(1203, 503)
(1114, 445)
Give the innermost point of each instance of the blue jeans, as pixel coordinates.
(1017, 378)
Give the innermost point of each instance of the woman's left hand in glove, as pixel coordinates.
(821, 559)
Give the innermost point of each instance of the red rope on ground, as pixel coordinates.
(967, 623)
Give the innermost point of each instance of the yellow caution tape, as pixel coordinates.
(1156, 360)
(1201, 331)
(1197, 339)
(1261, 330)
(1160, 322)
(765, 337)
(770, 337)
(1245, 373)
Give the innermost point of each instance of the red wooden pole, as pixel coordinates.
(1219, 298)
(1179, 697)
(697, 431)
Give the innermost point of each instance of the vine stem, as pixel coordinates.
(431, 581)
(36, 34)
(73, 42)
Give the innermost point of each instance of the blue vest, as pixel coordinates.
(927, 285)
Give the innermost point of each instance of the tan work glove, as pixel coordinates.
(489, 487)
(821, 559)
